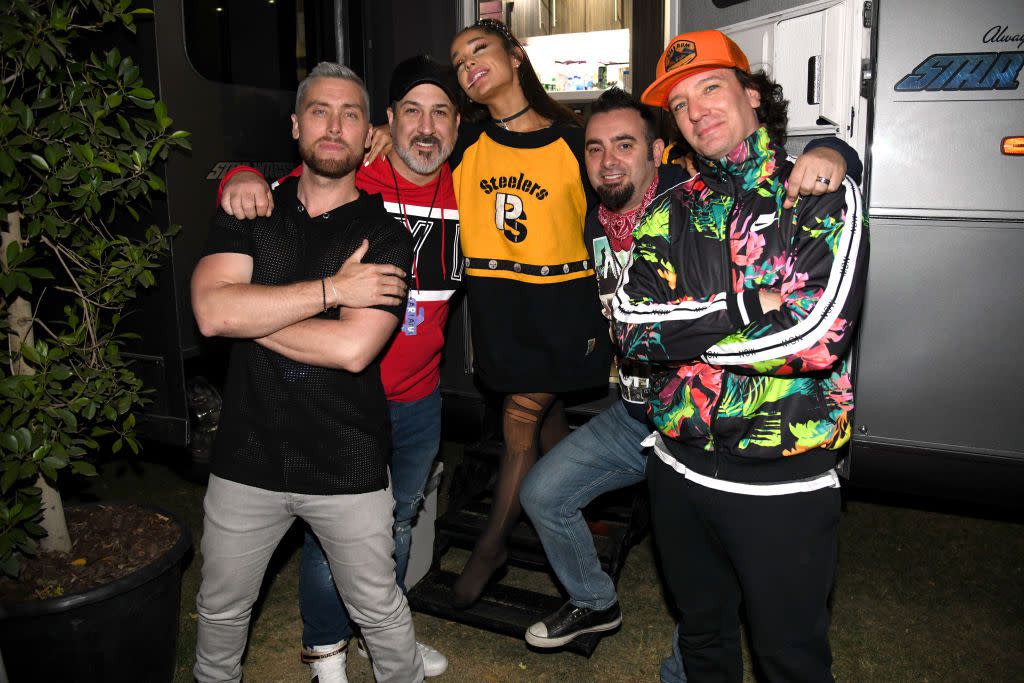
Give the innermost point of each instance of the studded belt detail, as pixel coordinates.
(515, 267)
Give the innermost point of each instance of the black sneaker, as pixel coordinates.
(570, 621)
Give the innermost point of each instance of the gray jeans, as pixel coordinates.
(243, 525)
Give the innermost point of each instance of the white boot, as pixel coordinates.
(326, 662)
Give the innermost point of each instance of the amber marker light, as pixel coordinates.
(1014, 145)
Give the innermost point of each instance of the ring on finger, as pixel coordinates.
(823, 179)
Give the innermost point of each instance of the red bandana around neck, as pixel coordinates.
(619, 226)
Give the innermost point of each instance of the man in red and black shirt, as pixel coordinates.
(416, 184)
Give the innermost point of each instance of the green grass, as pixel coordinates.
(921, 595)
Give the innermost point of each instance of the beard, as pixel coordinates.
(422, 161)
(335, 167)
(614, 198)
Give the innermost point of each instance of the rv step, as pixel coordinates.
(617, 521)
(502, 609)
(463, 526)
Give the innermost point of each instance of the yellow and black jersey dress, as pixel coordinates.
(534, 309)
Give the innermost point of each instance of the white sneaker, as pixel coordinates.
(434, 663)
(326, 662)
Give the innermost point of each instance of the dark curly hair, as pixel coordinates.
(772, 112)
(536, 96)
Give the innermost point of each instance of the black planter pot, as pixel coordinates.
(124, 631)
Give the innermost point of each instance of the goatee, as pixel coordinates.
(614, 198)
(420, 161)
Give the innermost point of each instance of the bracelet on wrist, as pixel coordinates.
(337, 299)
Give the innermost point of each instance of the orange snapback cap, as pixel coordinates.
(688, 54)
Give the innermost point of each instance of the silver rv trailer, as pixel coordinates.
(927, 91)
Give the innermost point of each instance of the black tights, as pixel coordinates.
(531, 424)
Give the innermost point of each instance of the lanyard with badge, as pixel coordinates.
(413, 313)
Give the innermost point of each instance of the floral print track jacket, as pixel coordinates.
(728, 378)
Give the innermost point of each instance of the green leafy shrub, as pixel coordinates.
(82, 140)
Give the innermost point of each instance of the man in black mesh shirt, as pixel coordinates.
(311, 294)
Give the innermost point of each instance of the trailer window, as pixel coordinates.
(262, 43)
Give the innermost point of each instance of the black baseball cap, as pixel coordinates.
(419, 70)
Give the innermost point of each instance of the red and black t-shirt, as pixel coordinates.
(410, 369)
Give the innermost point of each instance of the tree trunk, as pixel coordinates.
(19, 316)
(57, 538)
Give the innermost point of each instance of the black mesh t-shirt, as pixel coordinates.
(289, 426)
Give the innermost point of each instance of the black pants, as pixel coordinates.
(775, 554)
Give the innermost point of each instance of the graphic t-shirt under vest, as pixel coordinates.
(610, 259)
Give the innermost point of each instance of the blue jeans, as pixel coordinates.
(672, 666)
(416, 437)
(601, 456)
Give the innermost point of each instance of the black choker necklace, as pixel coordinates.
(504, 122)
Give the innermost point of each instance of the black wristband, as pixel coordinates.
(323, 290)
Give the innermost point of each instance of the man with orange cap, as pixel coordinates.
(745, 307)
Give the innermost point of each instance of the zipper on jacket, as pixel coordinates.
(727, 264)
(714, 421)
(727, 242)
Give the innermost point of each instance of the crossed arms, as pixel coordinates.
(799, 320)
(281, 317)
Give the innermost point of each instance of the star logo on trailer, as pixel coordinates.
(965, 71)
(680, 53)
